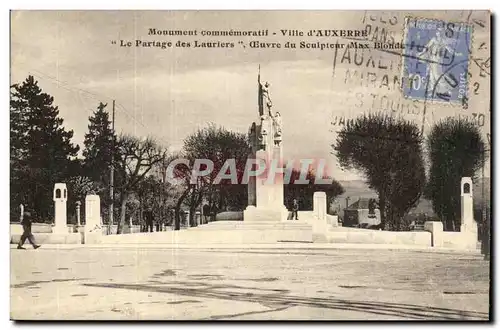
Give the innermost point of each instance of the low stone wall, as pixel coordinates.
(17, 228)
(229, 215)
(465, 240)
(50, 238)
(111, 230)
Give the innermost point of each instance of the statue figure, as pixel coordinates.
(265, 95)
(263, 138)
(277, 124)
(264, 98)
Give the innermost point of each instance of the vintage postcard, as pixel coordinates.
(250, 165)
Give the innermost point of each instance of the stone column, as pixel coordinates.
(93, 213)
(60, 198)
(467, 223)
(319, 205)
(319, 221)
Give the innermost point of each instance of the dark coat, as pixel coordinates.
(27, 221)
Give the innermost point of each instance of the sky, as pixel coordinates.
(170, 93)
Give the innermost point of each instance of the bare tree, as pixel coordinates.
(136, 158)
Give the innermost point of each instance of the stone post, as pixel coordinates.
(319, 221)
(467, 223)
(93, 224)
(92, 213)
(60, 198)
(436, 230)
(319, 205)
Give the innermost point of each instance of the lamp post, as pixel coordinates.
(78, 203)
(485, 241)
(21, 216)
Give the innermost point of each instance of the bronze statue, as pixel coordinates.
(264, 95)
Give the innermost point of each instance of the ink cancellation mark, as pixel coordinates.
(436, 61)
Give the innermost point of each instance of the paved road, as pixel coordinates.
(258, 284)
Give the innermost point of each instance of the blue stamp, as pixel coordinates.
(436, 60)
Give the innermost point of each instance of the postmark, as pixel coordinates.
(436, 61)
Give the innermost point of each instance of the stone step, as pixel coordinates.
(254, 225)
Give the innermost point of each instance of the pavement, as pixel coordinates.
(293, 281)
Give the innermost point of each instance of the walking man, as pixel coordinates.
(26, 221)
(295, 209)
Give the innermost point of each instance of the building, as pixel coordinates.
(362, 213)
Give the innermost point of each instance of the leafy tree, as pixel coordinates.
(388, 151)
(216, 144)
(78, 188)
(456, 150)
(98, 153)
(136, 159)
(304, 192)
(98, 143)
(41, 152)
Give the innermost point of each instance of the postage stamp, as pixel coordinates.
(436, 60)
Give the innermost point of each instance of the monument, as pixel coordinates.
(264, 219)
(265, 192)
(60, 198)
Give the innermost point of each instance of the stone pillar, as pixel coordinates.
(319, 205)
(318, 220)
(266, 196)
(93, 213)
(60, 198)
(436, 230)
(467, 223)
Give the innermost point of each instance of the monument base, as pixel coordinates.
(255, 214)
(244, 232)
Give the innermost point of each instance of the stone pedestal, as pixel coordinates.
(93, 214)
(436, 229)
(60, 198)
(265, 191)
(319, 204)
